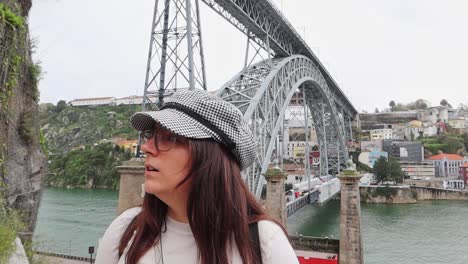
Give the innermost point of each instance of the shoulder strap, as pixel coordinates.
(254, 237)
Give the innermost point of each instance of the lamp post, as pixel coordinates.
(91, 252)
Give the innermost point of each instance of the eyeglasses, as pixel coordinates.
(163, 140)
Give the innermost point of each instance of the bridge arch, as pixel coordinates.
(263, 93)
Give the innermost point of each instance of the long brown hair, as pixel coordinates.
(220, 208)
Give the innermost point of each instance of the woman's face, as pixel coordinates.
(167, 163)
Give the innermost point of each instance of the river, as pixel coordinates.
(427, 232)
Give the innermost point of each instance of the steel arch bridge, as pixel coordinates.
(261, 90)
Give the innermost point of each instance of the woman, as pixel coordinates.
(196, 209)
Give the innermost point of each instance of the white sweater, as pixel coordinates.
(178, 244)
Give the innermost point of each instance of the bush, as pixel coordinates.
(10, 224)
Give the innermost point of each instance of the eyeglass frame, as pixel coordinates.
(146, 135)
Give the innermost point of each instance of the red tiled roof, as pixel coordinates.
(446, 156)
(464, 165)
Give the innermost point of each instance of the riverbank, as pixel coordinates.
(426, 232)
(404, 194)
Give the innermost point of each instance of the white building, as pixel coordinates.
(92, 101)
(129, 100)
(380, 132)
(436, 114)
(458, 122)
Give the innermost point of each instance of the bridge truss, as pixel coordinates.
(263, 90)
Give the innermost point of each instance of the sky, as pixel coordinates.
(376, 50)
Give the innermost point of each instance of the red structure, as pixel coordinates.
(306, 260)
(463, 170)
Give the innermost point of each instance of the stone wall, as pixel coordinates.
(439, 194)
(387, 194)
(407, 194)
(315, 244)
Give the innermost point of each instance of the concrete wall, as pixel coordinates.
(439, 194)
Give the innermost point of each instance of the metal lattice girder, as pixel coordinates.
(263, 94)
(261, 20)
(175, 59)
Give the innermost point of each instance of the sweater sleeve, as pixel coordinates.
(275, 245)
(108, 251)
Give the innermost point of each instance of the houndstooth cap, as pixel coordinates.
(198, 114)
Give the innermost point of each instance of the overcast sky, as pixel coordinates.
(376, 50)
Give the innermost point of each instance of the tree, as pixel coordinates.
(60, 106)
(395, 171)
(376, 110)
(381, 169)
(388, 170)
(392, 105)
(421, 104)
(444, 102)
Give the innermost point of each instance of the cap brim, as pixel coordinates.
(171, 119)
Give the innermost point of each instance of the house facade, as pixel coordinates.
(447, 165)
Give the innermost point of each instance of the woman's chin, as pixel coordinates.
(151, 189)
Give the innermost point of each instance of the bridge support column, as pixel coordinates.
(350, 218)
(275, 197)
(132, 178)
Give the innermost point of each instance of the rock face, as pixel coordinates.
(387, 194)
(22, 162)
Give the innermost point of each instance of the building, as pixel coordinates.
(404, 150)
(447, 165)
(129, 100)
(458, 122)
(371, 119)
(463, 172)
(294, 139)
(128, 144)
(436, 114)
(369, 158)
(372, 145)
(381, 131)
(418, 170)
(92, 101)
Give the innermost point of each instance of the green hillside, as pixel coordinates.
(79, 141)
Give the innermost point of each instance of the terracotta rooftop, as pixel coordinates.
(446, 156)
(465, 165)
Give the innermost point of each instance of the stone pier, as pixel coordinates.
(275, 197)
(132, 178)
(350, 218)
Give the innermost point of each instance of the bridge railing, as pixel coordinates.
(294, 206)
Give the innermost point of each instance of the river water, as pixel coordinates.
(427, 232)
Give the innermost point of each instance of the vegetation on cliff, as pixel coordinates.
(10, 224)
(446, 143)
(78, 140)
(91, 167)
(66, 127)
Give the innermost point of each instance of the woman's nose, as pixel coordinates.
(149, 148)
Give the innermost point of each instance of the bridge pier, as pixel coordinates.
(350, 218)
(275, 198)
(132, 178)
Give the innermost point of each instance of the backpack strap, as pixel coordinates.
(254, 237)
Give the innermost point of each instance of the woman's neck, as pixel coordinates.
(177, 206)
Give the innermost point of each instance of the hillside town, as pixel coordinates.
(428, 142)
